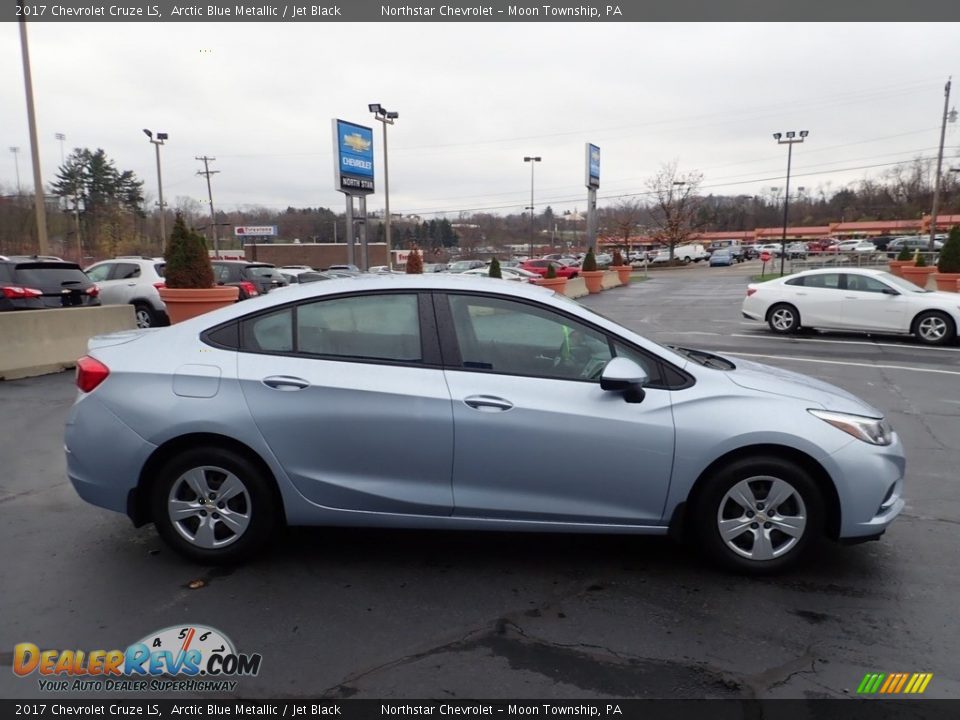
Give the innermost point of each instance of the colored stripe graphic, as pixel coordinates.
(894, 683)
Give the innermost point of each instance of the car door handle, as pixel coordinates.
(488, 403)
(285, 382)
(850, 297)
(801, 294)
(131, 284)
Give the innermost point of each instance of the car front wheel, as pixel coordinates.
(934, 328)
(213, 506)
(759, 515)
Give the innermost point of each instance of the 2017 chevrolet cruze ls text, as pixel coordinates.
(379, 401)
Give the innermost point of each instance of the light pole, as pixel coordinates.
(532, 159)
(16, 164)
(789, 140)
(952, 117)
(61, 137)
(387, 117)
(157, 143)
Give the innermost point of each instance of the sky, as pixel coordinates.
(474, 99)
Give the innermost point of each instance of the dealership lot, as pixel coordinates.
(358, 613)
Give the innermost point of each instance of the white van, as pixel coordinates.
(690, 253)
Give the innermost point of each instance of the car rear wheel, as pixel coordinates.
(213, 506)
(144, 315)
(934, 328)
(783, 319)
(759, 515)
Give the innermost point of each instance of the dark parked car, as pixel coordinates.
(252, 278)
(35, 283)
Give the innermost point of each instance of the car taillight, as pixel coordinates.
(160, 285)
(751, 291)
(90, 373)
(15, 292)
(249, 288)
(93, 290)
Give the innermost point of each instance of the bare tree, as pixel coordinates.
(675, 201)
(625, 216)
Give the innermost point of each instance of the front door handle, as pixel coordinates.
(285, 382)
(488, 403)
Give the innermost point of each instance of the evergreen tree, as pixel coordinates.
(188, 262)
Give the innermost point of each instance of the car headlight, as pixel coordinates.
(876, 431)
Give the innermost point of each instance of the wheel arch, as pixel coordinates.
(780, 303)
(138, 501)
(679, 527)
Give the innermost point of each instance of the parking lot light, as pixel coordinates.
(161, 137)
(791, 138)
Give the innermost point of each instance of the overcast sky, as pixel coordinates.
(474, 98)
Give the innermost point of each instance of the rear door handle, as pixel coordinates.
(285, 382)
(488, 403)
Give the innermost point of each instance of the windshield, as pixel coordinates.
(900, 284)
(264, 272)
(50, 276)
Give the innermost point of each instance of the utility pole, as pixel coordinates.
(38, 199)
(936, 180)
(213, 217)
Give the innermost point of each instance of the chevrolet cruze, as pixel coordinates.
(379, 401)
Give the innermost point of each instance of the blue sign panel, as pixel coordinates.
(354, 158)
(593, 166)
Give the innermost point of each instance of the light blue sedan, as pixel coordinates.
(378, 401)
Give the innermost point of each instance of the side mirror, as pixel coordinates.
(890, 291)
(624, 375)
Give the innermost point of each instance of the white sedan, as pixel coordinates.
(860, 300)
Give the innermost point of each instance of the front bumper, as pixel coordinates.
(869, 481)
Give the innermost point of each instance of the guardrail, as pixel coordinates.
(878, 260)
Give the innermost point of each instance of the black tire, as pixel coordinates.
(783, 319)
(257, 504)
(145, 316)
(802, 500)
(934, 327)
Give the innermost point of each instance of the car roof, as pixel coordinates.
(831, 271)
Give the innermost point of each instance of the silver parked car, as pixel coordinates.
(133, 280)
(378, 401)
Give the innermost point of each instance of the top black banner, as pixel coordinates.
(321, 11)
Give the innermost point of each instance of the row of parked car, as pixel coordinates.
(37, 282)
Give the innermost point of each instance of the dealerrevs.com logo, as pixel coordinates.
(178, 659)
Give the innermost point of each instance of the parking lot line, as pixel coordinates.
(846, 342)
(840, 362)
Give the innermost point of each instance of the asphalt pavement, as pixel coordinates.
(396, 614)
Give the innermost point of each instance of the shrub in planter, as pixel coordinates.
(592, 276)
(188, 262)
(949, 264)
(414, 262)
(919, 272)
(188, 277)
(551, 280)
(623, 270)
(904, 258)
(494, 271)
(590, 262)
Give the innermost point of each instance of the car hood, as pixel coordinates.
(777, 381)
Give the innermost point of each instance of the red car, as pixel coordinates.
(540, 267)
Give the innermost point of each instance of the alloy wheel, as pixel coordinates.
(782, 319)
(209, 507)
(762, 518)
(932, 329)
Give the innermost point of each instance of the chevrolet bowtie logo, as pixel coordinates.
(356, 142)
